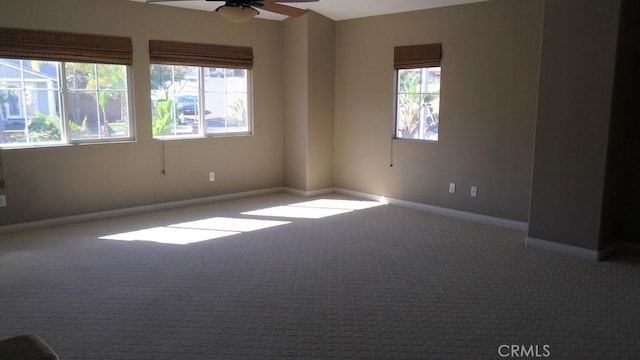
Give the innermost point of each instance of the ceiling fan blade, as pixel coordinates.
(268, 5)
(283, 9)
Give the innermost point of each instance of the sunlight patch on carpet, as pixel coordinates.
(230, 224)
(190, 232)
(315, 209)
(170, 235)
(195, 231)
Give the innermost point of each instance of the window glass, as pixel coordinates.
(174, 100)
(30, 102)
(226, 101)
(418, 103)
(199, 101)
(97, 101)
(34, 95)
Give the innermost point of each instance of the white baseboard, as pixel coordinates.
(311, 193)
(565, 249)
(511, 224)
(39, 224)
(484, 219)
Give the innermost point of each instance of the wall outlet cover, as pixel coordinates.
(212, 176)
(3, 200)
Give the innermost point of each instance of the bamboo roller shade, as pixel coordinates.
(62, 46)
(205, 55)
(417, 56)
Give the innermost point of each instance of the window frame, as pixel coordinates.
(396, 129)
(202, 121)
(130, 109)
(63, 98)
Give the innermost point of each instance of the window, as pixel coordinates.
(97, 101)
(200, 89)
(418, 107)
(192, 100)
(417, 92)
(63, 88)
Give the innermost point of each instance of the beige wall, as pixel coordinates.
(296, 100)
(321, 101)
(309, 46)
(490, 69)
(68, 180)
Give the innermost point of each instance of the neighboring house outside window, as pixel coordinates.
(200, 89)
(418, 75)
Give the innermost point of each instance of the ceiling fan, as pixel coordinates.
(239, 11)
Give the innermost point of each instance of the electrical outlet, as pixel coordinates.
(474, 191)
(212, 176)
(452, 188)
(3, 200)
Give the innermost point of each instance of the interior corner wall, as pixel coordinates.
(296, 101)
(574, 112)
(490, 66)
(321, 101)
(309, 43)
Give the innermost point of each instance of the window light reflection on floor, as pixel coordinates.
(196, 231)
(218, 227)
(230, 224)
(315, 209)
(170, 235)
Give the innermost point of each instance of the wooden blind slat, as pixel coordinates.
(60, 46)
(205, 55)
(417, 56)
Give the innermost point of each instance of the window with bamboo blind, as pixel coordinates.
(58, 87)
(200, 89)
(418, 73)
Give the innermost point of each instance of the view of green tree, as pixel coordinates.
(164, 113)
(79, 130)
(44, 128)
(105, 81)
(239, 111)
(163, 77)
(410, 103)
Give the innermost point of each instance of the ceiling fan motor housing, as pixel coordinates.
(244, 3)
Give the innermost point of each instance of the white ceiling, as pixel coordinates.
(334, 9)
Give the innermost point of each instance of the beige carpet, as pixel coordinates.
(284, 277)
